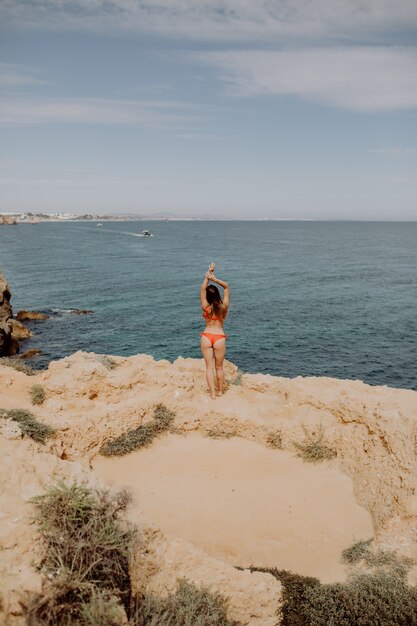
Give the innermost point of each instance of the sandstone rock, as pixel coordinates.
(29, 354)
(19, 331)
(81, 311)
(31, 315)
(8, 344)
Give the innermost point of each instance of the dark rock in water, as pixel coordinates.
(81, 311)
(31, 315)
(8, 342)
(29, 354)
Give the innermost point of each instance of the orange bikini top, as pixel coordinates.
(206, 315)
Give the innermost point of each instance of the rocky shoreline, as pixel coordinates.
(86, 401)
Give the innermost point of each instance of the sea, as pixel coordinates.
(317, 298)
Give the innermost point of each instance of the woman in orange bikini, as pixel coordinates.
(213, 339)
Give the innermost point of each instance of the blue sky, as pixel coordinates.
(295, 109)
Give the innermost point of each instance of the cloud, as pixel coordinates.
(29, 110)
(394, 152)
(14, 75)
(217, 19)
(360, 78)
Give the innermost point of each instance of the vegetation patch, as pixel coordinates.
(188, 606)
(37, 394)
(86, 566)
(313, 449)
(378, 598)
(86, 559)
(274, 440)
(17, 364)
(163, 420)
(237, 380)
(108, 362)
(28, 423)
(222, 433)
(386, 560)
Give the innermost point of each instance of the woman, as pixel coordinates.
(213, 339)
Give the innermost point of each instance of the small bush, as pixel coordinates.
(29, 424)
(141, 437)
(130, 441)
(188, 606)
(237, 380)
(163, 418)
(86, 557)
(37, 394)
(17, 364)
(274, 440)
(108, 362)
(367, 600)
(313, 449)
(356, 552)
(377, 599)
(222, 433)
(387, 560)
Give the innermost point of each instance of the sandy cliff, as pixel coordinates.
(91, 399)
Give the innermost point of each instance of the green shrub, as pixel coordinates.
(188, 606)
(378, 599)
(386, 560)
(17, 364)
(28, 423)
(86, 557)
(37, 394)
(313, 449)
(365, 600)
(274, 440)
(130, 441)
(163, 420)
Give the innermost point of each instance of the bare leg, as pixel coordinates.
(219, 349)
(208, 354)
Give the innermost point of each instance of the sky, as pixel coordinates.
(284, 109)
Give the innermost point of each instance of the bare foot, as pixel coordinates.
(213, 396)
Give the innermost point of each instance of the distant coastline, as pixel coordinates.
(29, 217)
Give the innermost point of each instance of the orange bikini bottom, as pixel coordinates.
(212, 338)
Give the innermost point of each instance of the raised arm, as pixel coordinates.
(225, 285)
(204, 285)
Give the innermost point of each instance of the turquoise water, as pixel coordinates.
(307, 298)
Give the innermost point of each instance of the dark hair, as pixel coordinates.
(218, 309)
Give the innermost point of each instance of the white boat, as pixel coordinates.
(97, 225)
(146, 233)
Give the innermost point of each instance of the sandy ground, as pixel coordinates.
(244, 503)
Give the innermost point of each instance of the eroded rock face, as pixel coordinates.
(9, 344)
(91, 399)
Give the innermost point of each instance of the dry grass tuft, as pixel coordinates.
(16, 363)
(385, 560)
(237, 380)
(108, 362)
(37, 394)
(313, 449)
(28, 423)
(86, 558)
(274, 440)
(163, 420)
(222, 433)
(188, 606)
